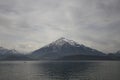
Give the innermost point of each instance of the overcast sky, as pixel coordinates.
(27, 25)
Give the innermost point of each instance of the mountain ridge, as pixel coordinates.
(61, 49)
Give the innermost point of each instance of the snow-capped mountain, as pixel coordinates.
(64, 47)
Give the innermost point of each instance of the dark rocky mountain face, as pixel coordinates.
(64, 47)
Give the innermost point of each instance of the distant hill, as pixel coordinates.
(64, 47)
(6, 54)
(117, 53)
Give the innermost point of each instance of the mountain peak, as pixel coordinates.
(61, 41)
(62, 38)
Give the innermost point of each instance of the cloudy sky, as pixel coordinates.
(27, 25)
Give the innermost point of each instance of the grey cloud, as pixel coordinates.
(31, 24)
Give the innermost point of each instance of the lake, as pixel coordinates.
(59, 70)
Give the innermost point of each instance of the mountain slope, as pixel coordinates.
(63, 47)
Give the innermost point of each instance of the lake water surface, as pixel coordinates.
(59, 70)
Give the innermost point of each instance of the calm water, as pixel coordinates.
(44, 70)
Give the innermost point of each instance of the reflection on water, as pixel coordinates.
(62, 70)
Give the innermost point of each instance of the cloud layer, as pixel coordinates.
(27, 25)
